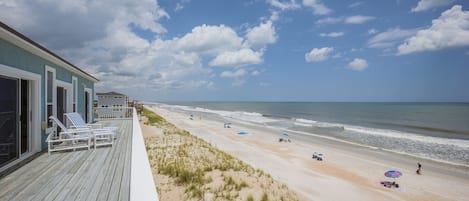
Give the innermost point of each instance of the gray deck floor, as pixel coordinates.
(96, 174)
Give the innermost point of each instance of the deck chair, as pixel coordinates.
(68, 138)
(77, 122)
(100, 137)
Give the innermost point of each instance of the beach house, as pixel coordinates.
(112, 105)
(36, 83)
(112, 99)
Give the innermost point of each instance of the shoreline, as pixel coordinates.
(355, 170)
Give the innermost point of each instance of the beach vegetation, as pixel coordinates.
(265, 197)
(199, 169)
(152, 118)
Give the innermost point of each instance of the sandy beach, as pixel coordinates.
(348, 172)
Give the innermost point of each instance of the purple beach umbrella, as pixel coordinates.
(393, 174)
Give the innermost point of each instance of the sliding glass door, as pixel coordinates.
(9, 149)
(15, 119)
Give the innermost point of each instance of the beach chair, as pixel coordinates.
(67, 139)
(78, 122)
(100, 137)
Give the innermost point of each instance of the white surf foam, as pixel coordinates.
(239, 115)
(409, 136)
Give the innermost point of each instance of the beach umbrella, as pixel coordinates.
(393, 174)
(243, 133)
(285, 134)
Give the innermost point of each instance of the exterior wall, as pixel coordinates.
(112, 101)
(13, 56)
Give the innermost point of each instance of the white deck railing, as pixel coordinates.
(103, 113)
(142, 186)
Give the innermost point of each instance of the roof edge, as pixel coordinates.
(27, 40)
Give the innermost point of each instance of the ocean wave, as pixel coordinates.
(408, 136)
(437, 148)
(239, 115)
(302, 124)
(306, 121)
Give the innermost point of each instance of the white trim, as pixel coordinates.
(142, 185)
(14, 39)
(35, 103)
(54, 94)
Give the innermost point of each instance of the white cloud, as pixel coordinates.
(390, 38)
(259, 36)
(86, 21)
(451, 29)
(318, 7)
(424, 5)
(285, 5)
(358, 64)
(100, 37)
(179, 7)
(356, 4)
(320, 54)
(210, 40)
(329, 20)
(332, 34)
(255, 73)
(358, 19)
(274, 16)
(237, 58)
(233, 74)
(372, 31)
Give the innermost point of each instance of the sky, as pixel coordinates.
(259, 50)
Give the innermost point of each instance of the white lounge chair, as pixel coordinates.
(100, 137)
(78, 122)
(68, 138)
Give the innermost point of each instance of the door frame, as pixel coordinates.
(69, 88)
(54, 97)
(35, 109)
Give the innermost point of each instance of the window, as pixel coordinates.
(50, 93)
(74, 93)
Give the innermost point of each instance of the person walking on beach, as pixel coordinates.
(419, 167)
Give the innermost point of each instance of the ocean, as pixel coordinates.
(434, 131)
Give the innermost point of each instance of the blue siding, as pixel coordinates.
(13, 56)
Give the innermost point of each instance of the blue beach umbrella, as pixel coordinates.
(393, 174)
(285, 134)
(243, 133)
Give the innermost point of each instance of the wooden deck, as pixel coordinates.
(96, 174)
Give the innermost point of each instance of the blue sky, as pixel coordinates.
(259, 50)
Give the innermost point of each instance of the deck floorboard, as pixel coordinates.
(97, 174)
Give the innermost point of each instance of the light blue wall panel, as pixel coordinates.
(16, 57)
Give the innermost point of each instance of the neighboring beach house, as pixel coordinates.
(112, 105)
(35, 83)
(112, 99)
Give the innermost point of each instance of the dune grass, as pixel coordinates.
(204, 172)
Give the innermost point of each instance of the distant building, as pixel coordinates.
(112, 99)
(35, 83)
